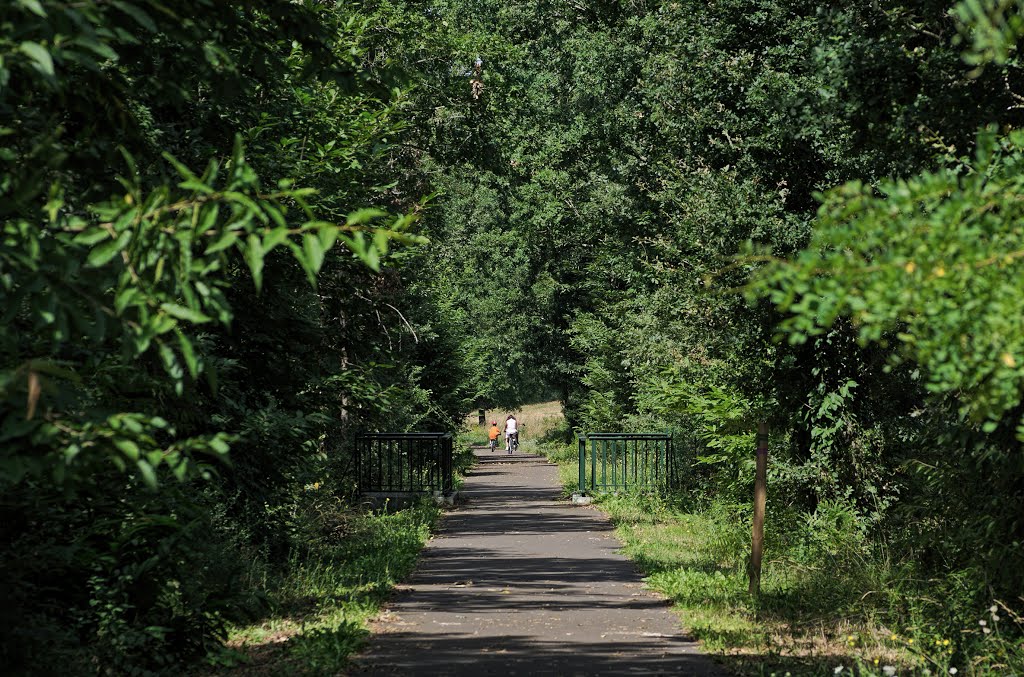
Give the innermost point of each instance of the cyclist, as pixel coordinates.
(492, 435)
(511, 433)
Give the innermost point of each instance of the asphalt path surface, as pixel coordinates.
(519, 582)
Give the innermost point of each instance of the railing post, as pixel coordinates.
(670, 461)
(448, 453)
(582, 463)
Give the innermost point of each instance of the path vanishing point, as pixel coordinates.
(519, 582)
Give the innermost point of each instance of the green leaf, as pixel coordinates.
(180, 470)
(189, 353)
(185, 172)
(359, 246)
(381, 241)
(208, 217)
(328, 234)
(124, 298)
(363, 216)
(127, 447)
(148, 474)
(275, 214)
(314, 251)
(91, 236)
(134, 12)
(103, 253)
(184, 313)
(254, 258)
(227, 238)
(33, 6)
(274, 238)
(100, 49)
(38, 54)
(219, 445)
(248, 204)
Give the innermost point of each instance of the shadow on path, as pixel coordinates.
(519, 582)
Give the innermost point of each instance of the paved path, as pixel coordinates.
(519, 582)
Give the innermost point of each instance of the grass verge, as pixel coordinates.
(832, 602)
(320, 601)
(697, 561)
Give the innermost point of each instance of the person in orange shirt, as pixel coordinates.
(493, 435)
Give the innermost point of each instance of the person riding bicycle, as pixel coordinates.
(511, 433)
(492, 435)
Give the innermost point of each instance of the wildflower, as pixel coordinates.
(953, 671)
(876, 661)
(838, 670)
(945, 642)
(888, 670)
(894, 637)
(986, 630)
(992, 609)
(982, 623)
(926, 672)
(995, 617)
(910, 641)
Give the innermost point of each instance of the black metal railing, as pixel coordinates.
(405, 462)
(625, 461)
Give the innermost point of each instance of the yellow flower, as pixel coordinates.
(945, 642)
(910, 641)
(894, 637)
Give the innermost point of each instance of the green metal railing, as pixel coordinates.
(624, 461)
(405, 462)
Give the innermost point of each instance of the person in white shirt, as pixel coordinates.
(511, 432)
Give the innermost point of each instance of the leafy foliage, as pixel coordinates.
(929, 264)
(158, 317)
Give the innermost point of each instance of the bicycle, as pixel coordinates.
(513, 443)
(493, 444)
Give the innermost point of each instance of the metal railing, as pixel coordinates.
(624, 461)
(405, 462)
